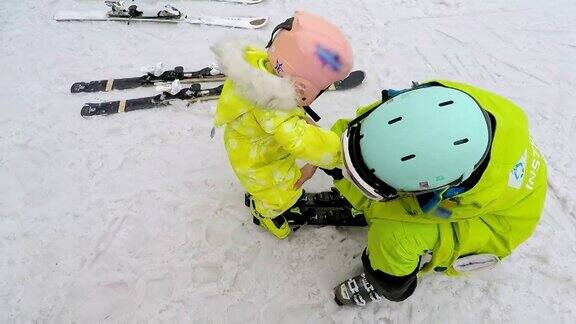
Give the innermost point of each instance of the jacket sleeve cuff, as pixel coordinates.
(335, 173)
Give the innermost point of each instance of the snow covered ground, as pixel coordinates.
(138, 217)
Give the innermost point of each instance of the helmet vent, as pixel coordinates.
(445, 103)
(395, 120)
(462, 141)
(408, 157)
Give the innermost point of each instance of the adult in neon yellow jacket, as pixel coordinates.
(442, 221)
(266, 132)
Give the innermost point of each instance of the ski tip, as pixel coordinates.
(78, 87)
(354, 79)
(358, 74)
(91, 109)
(86, 110)
(258, 22)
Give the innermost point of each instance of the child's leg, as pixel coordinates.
(274, 201)
(267, 208)
(268, 175)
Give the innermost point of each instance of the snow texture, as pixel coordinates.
(138, 217)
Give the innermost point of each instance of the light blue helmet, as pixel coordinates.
(421, 140)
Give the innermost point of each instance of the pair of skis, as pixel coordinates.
(120, 11)
(170, 92)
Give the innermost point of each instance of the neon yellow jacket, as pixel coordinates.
(495, 216)
(265, 130)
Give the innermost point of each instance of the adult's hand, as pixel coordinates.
(306, 173)
(335, 173)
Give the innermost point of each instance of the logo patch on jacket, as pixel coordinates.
(516, 177)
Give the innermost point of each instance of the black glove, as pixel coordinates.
(335, 173)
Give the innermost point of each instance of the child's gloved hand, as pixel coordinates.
(307, 172)
(335, 173)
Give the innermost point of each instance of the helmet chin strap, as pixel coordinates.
(287, 25)
(315, 117)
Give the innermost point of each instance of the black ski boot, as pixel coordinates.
(356, 291)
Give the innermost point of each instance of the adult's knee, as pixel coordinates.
(392, 258)
(396, 247)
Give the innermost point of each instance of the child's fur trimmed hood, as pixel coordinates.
(264, 89)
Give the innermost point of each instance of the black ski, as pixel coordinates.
(149, 79)
(206, 74)
(321, 209)
(324, 209)
(354, 79)
(192, 93)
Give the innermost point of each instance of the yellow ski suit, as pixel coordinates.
(265, 132)
(495, 216)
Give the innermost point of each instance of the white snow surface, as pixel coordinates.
(138, 217)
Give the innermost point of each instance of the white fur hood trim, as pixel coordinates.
(264, 89)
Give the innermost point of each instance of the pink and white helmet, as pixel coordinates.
(312, 52)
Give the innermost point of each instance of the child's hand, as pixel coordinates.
(307, 172)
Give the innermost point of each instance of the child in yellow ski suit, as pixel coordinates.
(266, 128)
(265, 134)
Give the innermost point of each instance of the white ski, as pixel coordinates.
(242, 1)
(237, 22)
